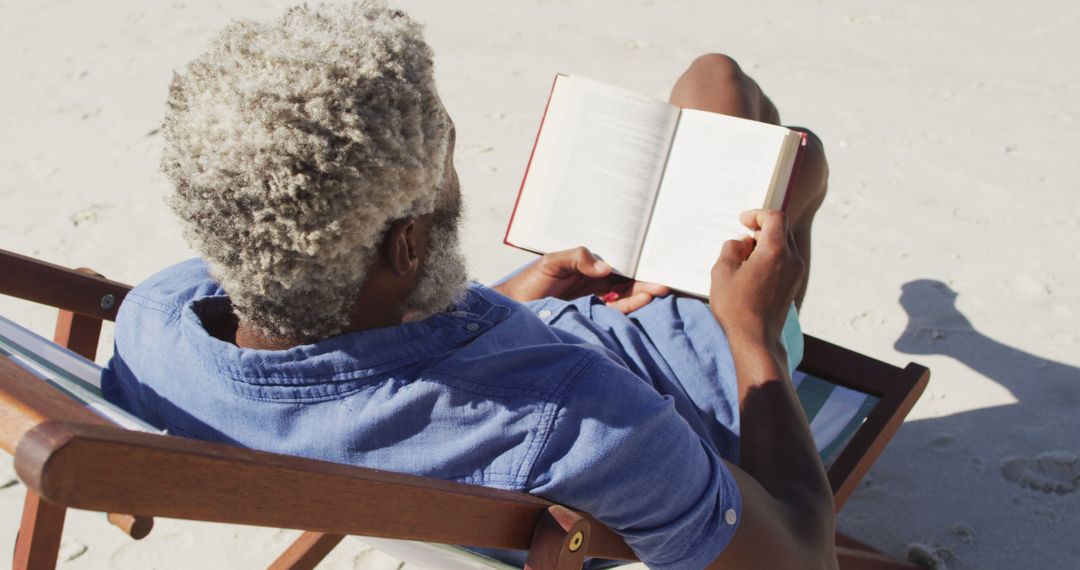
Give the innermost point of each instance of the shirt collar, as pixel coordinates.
(345, 356)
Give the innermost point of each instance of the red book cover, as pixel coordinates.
(506, 237)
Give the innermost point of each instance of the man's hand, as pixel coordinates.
(755, 279)
(575, 273)
(786, 496)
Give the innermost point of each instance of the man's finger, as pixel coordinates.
(589, 264)
(577, 260)
(749, 219)
(769, 226)
(735, 251)
(632, 303)
(654, 289)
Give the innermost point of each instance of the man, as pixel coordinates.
(330, 316)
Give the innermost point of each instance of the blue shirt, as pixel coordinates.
(624, 417)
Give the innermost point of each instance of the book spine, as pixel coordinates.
(794, 173)
(510, 224)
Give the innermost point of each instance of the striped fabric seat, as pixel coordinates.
(834, 412)
(64, 370)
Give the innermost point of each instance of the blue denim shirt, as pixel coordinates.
(626, 418)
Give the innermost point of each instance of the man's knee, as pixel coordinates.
(717, 67)
(721, 73)
(815, 151)
(715, 82)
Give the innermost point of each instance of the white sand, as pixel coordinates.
(952, 134)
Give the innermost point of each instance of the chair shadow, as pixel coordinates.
(1006, 476)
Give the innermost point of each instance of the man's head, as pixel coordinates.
(299, 149)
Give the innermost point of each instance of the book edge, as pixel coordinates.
(794, 172)
(528, 165)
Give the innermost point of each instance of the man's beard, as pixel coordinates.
(444, 277)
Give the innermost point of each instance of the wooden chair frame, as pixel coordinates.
(69, 457)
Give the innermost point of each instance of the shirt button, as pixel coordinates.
(544, 313)
(730, 517)
(472, 327)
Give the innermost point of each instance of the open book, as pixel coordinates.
(653, 189)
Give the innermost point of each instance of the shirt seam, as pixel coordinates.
(169, 309)
(247, 392)
(587, 362)
(255, 380)
(549, 415)
(435, 374)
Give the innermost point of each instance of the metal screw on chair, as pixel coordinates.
(108, 302)
(576, 540)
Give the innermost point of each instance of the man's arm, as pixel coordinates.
(788, 517)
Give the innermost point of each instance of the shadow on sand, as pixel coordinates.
(1006, 478)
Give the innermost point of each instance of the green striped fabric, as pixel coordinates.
(64, 370)
(834, 412)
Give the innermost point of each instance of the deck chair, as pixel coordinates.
(73, 449)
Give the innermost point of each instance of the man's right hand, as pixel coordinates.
(787, 502)
(755, 279)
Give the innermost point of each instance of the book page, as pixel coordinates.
(594, 172)
(719, 166)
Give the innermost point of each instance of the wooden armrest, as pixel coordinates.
(55, 286)
(898, 389)
(105, 468)
(847, 368)
(26, 401)
(877, 431)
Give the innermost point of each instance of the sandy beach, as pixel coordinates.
(949, 236)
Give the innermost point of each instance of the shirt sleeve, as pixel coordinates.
(619, 451)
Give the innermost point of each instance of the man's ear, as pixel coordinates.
(402, 253)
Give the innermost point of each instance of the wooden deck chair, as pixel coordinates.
(75, 450)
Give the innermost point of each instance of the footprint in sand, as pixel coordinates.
(88, 215)
(964, 532)
(1051, 472)
(1028, 287)
(931, 556)
(70, 550)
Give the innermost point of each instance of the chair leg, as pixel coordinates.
(135, 526)
(38, 543)
(80, 334)
(307, 551)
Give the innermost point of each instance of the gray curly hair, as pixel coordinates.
(292, 145)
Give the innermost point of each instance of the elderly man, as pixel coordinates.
(330, 315)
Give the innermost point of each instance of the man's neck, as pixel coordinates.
(379, 304)
(250, 337)
(363, 318)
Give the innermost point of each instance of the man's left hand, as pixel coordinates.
(575, 273)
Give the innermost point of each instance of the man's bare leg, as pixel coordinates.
(714, 82)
